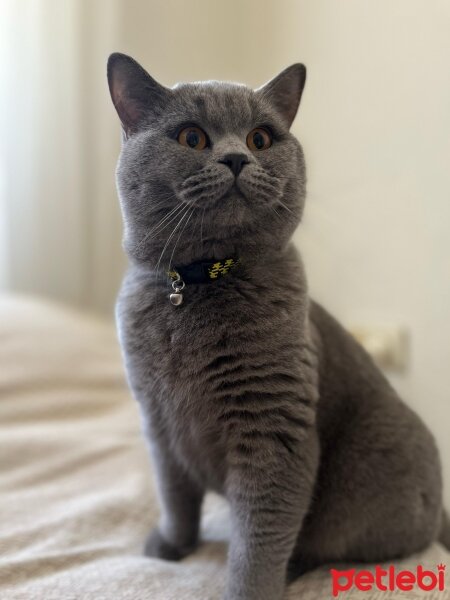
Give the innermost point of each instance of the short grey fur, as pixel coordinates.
(249, 388)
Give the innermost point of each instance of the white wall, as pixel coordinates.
(58, 148)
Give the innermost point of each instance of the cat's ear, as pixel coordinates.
(133, 92)
(285, 91)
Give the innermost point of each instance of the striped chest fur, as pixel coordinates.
(229, 371)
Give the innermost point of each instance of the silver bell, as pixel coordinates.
(176, 299)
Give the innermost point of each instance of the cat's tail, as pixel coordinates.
(444, 536)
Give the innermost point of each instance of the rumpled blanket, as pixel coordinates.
(76, 491)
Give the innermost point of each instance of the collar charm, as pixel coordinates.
(198, 272)
(176, 297)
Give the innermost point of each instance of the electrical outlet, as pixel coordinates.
(388, 345)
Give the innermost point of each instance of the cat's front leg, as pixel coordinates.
(269, 498)
(181, 497)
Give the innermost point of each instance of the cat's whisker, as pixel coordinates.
(286, 207)
(170, 237)
(277, 213)
(173, 214)
(164, 222)
(179, 236)
(163, 204)
(201, 226)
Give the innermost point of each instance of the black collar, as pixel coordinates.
(204, 271)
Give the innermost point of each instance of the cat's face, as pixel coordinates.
(208, 169)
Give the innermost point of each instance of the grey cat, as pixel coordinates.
(246, 386)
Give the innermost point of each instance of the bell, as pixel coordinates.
(176, 299)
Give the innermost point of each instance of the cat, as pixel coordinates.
(246, 386)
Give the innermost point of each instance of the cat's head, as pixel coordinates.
(207, 169)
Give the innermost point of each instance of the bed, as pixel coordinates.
(76, 491)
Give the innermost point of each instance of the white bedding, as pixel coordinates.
(76, 493)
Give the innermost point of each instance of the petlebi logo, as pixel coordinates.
(387, 580)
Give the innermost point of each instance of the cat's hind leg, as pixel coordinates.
(377, 496)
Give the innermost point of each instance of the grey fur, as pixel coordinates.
(250, 388)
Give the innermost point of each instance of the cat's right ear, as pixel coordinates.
(133, 91)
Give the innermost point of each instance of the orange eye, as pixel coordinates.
(192, 137)
(259, 139)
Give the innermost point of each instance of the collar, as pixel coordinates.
(204, 271)
(198, 272)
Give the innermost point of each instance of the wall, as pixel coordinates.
(58, 148)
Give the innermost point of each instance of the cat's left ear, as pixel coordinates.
(285, 91)
(134, 92)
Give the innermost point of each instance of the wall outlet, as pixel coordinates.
(387, 345)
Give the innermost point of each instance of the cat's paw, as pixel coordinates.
(157, 547)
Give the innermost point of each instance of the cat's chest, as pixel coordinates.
(204, 326)
(188, 364)
(191, 345)
(219, 329)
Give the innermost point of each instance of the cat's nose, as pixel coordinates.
(235, 162)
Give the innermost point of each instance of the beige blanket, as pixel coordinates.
(76, 493)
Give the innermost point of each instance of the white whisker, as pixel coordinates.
(170, 237)
(201, 226)
(277, 213)
(286, 207)
(179, 236)
(172, 214)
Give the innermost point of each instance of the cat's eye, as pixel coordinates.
(192, 137)
(259, 139)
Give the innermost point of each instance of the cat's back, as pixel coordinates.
(357, 405)
(350, 383)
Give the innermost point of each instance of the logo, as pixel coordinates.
(388, 579)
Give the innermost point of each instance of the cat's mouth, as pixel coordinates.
(213, 196)
(236, 191)
(214, 189)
